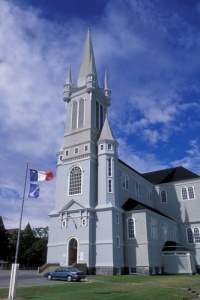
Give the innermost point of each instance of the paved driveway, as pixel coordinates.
(26, 278)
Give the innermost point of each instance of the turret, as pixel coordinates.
(68, 87)
(107, 91)
(91, 78)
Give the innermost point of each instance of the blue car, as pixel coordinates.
(65, 273)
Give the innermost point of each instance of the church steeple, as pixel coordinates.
(88, 63)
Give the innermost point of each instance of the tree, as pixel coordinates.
(32, 248)
(3, 245)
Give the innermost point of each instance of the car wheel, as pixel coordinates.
(69, 278)
(49, 277)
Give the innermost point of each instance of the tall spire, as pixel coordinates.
(107, 91)
(88, 61)
(69, 77)
(68, 87)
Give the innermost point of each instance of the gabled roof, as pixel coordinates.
(132, 204)
(72, 205)
(173, 246)
(170, 175)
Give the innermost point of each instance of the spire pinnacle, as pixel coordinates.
(69, 77)
(88, 61)
(68, 87)
(107, 91)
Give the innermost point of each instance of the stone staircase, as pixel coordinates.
(48, 267)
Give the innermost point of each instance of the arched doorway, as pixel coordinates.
(72, 250)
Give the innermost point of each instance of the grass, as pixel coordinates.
(113, 287)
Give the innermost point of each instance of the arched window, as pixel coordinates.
(78, 114)
(196, 235)
(81, 113)
(165, 231)
(163, 196)
(191, 192)
(75, 181)
(131, 228)
(190, 236)
(74, 115)
(153, 227)
(138, 189)
(187, 193)
(184, 194)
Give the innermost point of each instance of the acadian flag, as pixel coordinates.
(40, 175)
(34, 191)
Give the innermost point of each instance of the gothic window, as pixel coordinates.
(190, 236)
(99, 115)
(75, 181)
(165, 231)
(153, 227)
(191, 192)
(131, 228)
(125, 181)
(163, 196)
(196, 235)
(187, 193)
(81, 113)
(184, 194)
(138, 189)
(149, 195)
(74, 115)
(175, 233)
(78, 113)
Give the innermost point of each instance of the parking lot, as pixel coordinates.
(26, 278)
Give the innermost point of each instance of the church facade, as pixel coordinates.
(107, 215)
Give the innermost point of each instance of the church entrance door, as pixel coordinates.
(72, 246)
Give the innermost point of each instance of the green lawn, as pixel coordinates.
(114, 287)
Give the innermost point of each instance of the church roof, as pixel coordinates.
(173, 246)
(170, 175)
(106, 133)
(88, 61)
(132, 204)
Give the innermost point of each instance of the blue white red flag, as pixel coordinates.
(40, 175)
(34, 191)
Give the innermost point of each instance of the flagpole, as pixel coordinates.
(13, 280)
(20, 222)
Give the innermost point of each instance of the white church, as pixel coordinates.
(108, 216)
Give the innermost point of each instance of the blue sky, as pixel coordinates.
(150, 50)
